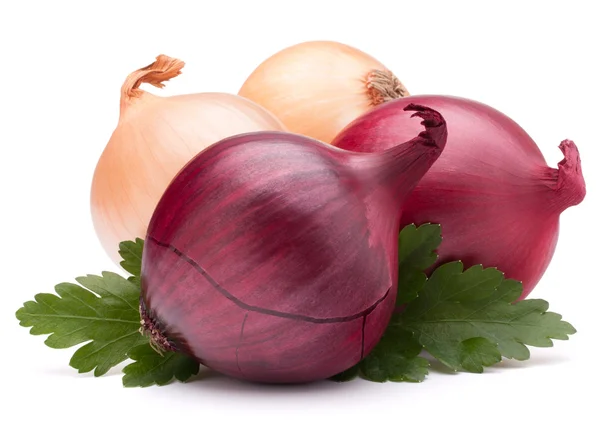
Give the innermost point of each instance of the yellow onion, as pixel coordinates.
(154, 138)
(316, 88)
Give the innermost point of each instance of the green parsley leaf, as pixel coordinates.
(477, 352)
(151, 368)
(456, 306)
(101, 310)
(416, 253)
(466, 319)
(395, 358)
(131, 252)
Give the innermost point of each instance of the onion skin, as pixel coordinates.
(273, 257)
(318, 87)
(492, 192)
(155, 137)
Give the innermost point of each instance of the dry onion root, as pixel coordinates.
(316, 88)
(155, 137)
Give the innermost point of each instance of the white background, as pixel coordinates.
(61, 68)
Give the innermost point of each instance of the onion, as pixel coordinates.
(273, 257)
(316, 88)
(155, 137)
(496, 199)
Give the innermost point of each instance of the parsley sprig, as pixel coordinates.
(103, 312)
(467, 319)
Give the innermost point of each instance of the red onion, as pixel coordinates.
(272, 257)
(493, 194)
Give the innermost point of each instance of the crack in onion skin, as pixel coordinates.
(273, 257)
(492, 192)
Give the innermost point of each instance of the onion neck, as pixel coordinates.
(567, 181)
(161, 70)
(383, 86)
(400, 168)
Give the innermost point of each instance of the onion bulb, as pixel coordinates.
(273, 257)
(495, 197)
(154, 138)
(316, 88)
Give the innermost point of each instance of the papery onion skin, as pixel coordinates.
(316, 88)
(492, 192)
(273, 257)
(155, 137)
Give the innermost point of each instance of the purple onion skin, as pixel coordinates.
(272, 257)
(492, 192)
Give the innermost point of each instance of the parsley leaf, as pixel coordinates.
(475, 353)
(131, 252)
(395, 358)
(416, 253)
(151, 368)
(101, 310)
(467, 319)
